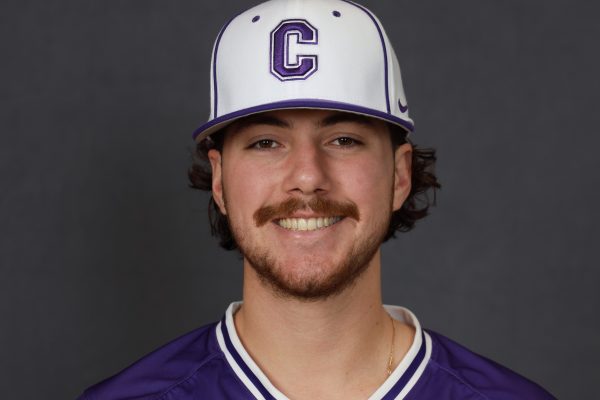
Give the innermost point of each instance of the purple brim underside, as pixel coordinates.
(215, 124)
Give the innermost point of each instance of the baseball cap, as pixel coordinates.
(316, 54)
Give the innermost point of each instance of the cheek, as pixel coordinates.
(371, 184)
(246, 187)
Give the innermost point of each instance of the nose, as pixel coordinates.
(307, 170)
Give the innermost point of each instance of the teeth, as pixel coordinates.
(302, 225)
(307, 224)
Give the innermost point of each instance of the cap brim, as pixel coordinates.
(218, 123)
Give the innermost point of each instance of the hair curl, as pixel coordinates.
(415, 207)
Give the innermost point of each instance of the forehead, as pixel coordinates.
(297, 118)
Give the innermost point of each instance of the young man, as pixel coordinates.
(307, 158)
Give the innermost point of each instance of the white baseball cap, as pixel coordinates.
(317, 54)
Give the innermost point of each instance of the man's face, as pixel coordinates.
(309, 195)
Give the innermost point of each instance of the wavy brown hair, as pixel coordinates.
(424, 184)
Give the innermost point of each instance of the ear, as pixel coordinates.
(214, 156)
(402, 174)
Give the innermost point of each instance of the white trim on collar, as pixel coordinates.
(396, 387)
(234, 365)
(420, 349)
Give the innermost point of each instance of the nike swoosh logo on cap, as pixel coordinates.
(403, 109)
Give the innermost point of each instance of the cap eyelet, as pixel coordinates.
(256, 18)
(336, 13)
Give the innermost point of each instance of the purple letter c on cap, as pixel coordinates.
(303, 65)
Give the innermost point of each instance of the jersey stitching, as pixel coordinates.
(458, 378)
(175, 385)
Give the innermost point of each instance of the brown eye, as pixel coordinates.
(345, 141)
(264, 144)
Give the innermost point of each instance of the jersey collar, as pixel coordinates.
(396, 387)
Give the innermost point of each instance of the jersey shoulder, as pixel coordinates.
(455, 372)
(162, 371)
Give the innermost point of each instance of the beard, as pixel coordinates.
(317, 281)
(312, 287)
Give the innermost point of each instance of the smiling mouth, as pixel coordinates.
(307, 224)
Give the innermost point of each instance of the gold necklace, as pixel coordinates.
(391, 357)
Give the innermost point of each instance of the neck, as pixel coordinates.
(344, 338)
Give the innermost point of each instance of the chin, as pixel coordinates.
(313, 278)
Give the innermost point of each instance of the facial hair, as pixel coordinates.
(281, 278)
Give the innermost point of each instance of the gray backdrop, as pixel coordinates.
(105, 253)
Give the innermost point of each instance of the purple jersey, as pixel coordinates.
(211, 363)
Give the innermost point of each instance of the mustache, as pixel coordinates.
(318, 205)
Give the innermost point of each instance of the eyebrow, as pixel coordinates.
(259, 119)
(341, 117)
(331, 120)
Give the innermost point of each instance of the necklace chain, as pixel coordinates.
(391, 357)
